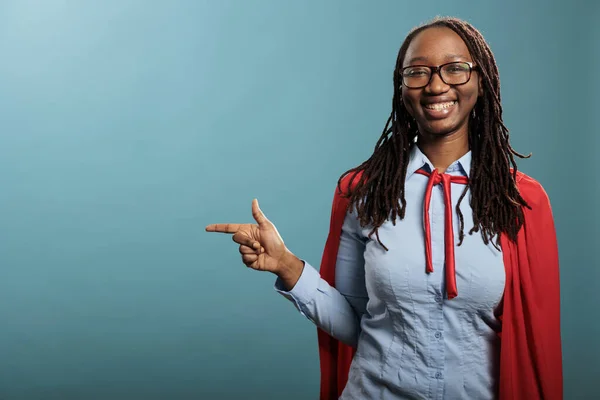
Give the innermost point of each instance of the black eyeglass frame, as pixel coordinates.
(438, 70)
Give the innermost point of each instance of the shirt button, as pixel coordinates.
(438, 375)
(438, 299)
(438, 335)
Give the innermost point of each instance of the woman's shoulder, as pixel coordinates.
(531, 190)
(347, 182)
(352, 176)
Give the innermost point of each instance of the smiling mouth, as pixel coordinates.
(440, 106)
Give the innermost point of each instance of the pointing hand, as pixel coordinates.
(261, 246)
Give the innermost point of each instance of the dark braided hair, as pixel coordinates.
(495, 199)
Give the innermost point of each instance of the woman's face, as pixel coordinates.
(438, 108)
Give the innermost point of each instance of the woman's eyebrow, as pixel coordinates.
(449, 57)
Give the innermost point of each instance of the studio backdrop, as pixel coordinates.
(127, 126)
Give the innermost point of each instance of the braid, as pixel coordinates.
(497, 205)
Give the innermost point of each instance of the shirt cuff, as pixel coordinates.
(304, 291)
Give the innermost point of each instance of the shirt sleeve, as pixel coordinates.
(336, 310)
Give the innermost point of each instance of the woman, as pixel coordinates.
(407, 306)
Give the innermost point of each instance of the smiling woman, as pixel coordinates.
(440, 97)
(415, 309)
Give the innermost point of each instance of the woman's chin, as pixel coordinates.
(439, 129)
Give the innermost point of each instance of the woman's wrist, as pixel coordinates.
(290, 269)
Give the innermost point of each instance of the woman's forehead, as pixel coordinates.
(436, 45)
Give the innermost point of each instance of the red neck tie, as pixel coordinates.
(435, 178)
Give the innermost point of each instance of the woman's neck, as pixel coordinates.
(443, 151)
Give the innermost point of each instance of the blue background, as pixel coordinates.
(127, 126)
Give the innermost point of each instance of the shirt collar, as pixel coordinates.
(418, 160)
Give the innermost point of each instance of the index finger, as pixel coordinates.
(223, 228)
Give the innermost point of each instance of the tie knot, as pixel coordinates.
(436, 178)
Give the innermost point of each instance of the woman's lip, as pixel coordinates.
(439, 114)
(439, 102)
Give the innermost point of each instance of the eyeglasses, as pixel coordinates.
(454, 73)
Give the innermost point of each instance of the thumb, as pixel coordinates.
(258, 215)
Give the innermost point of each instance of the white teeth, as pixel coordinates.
(440, 106)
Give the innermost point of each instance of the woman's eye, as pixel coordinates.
(454, 69)
(419, 72)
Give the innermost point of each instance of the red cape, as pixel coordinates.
(530, 355)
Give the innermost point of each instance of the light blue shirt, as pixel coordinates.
(412, 341)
